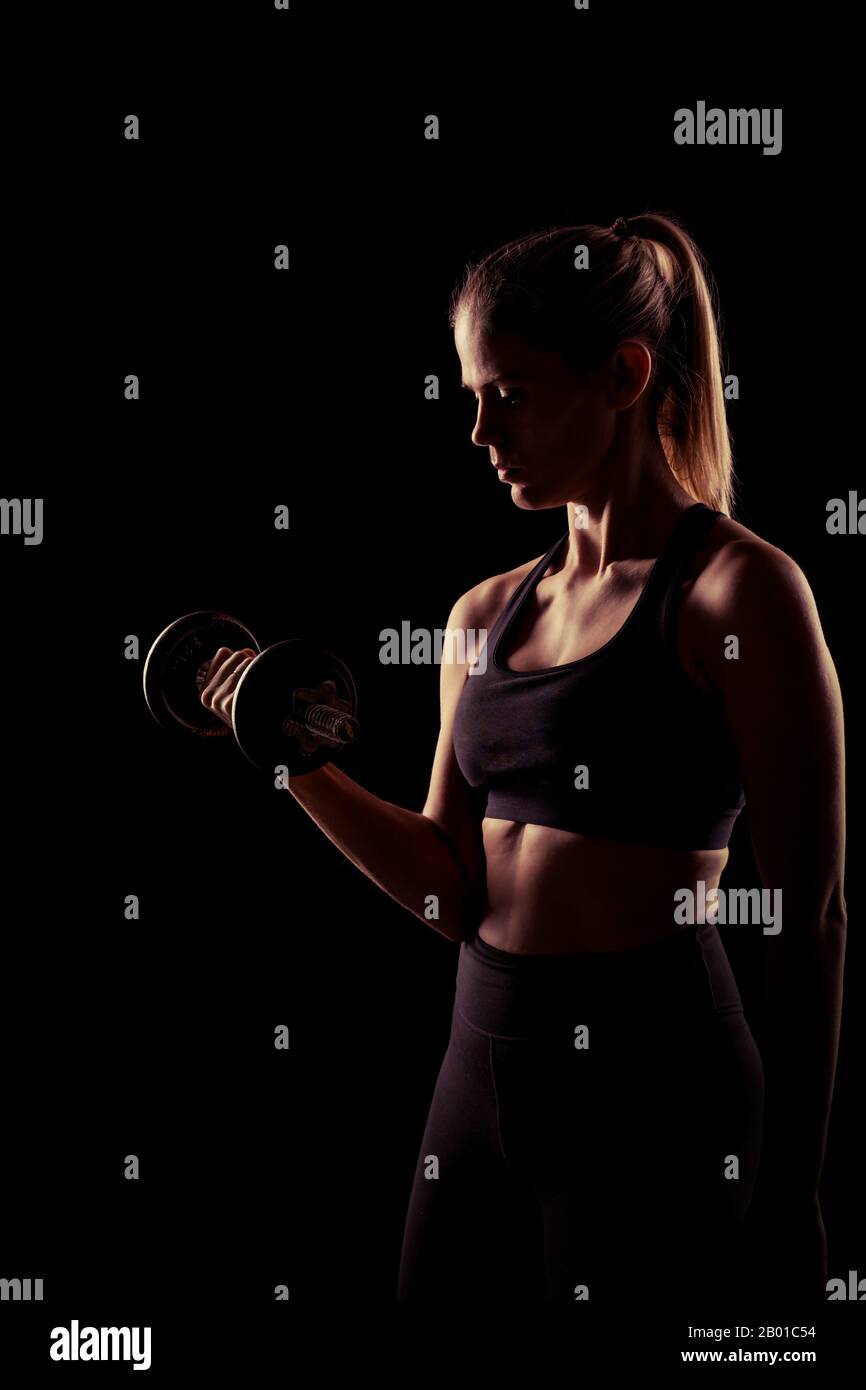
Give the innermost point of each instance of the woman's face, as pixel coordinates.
(548, 430)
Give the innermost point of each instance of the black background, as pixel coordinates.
(306, 388)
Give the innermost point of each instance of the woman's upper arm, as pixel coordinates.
(454, 806)
(783, 707)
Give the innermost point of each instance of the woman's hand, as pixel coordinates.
(221, 680)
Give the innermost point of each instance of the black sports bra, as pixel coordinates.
(619, 744)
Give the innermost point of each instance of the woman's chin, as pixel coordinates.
(523, 496)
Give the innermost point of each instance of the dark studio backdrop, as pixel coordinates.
(306, 388)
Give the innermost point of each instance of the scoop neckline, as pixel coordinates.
(591, 656)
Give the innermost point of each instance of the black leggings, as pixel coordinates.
(594, 1131)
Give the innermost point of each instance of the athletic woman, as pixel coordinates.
(603, 1108)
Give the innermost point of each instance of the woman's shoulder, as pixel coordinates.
(732, 559)
(481, 605)
(738, 581)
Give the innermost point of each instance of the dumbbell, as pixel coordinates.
(295, 703)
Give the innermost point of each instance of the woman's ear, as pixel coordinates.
(631, 368)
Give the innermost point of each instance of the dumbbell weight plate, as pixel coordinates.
(264, 706)
(170, 687)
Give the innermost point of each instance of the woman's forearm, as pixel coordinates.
(401, 851)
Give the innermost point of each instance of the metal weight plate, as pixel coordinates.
(295, 705)
(171, 688)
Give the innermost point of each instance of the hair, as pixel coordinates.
(649, 282)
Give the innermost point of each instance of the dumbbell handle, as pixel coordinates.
(335, 724)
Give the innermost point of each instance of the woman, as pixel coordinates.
(596, 1126)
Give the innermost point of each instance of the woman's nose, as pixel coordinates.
(487, 430)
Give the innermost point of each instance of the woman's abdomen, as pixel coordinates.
(554, 890)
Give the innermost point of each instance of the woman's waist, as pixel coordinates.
(673, 982)
(550, 890)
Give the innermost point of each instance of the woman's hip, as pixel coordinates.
(680, 979)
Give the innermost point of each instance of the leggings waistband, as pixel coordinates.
(509, 994)
(597, 961)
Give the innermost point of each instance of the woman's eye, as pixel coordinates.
(505, 398)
